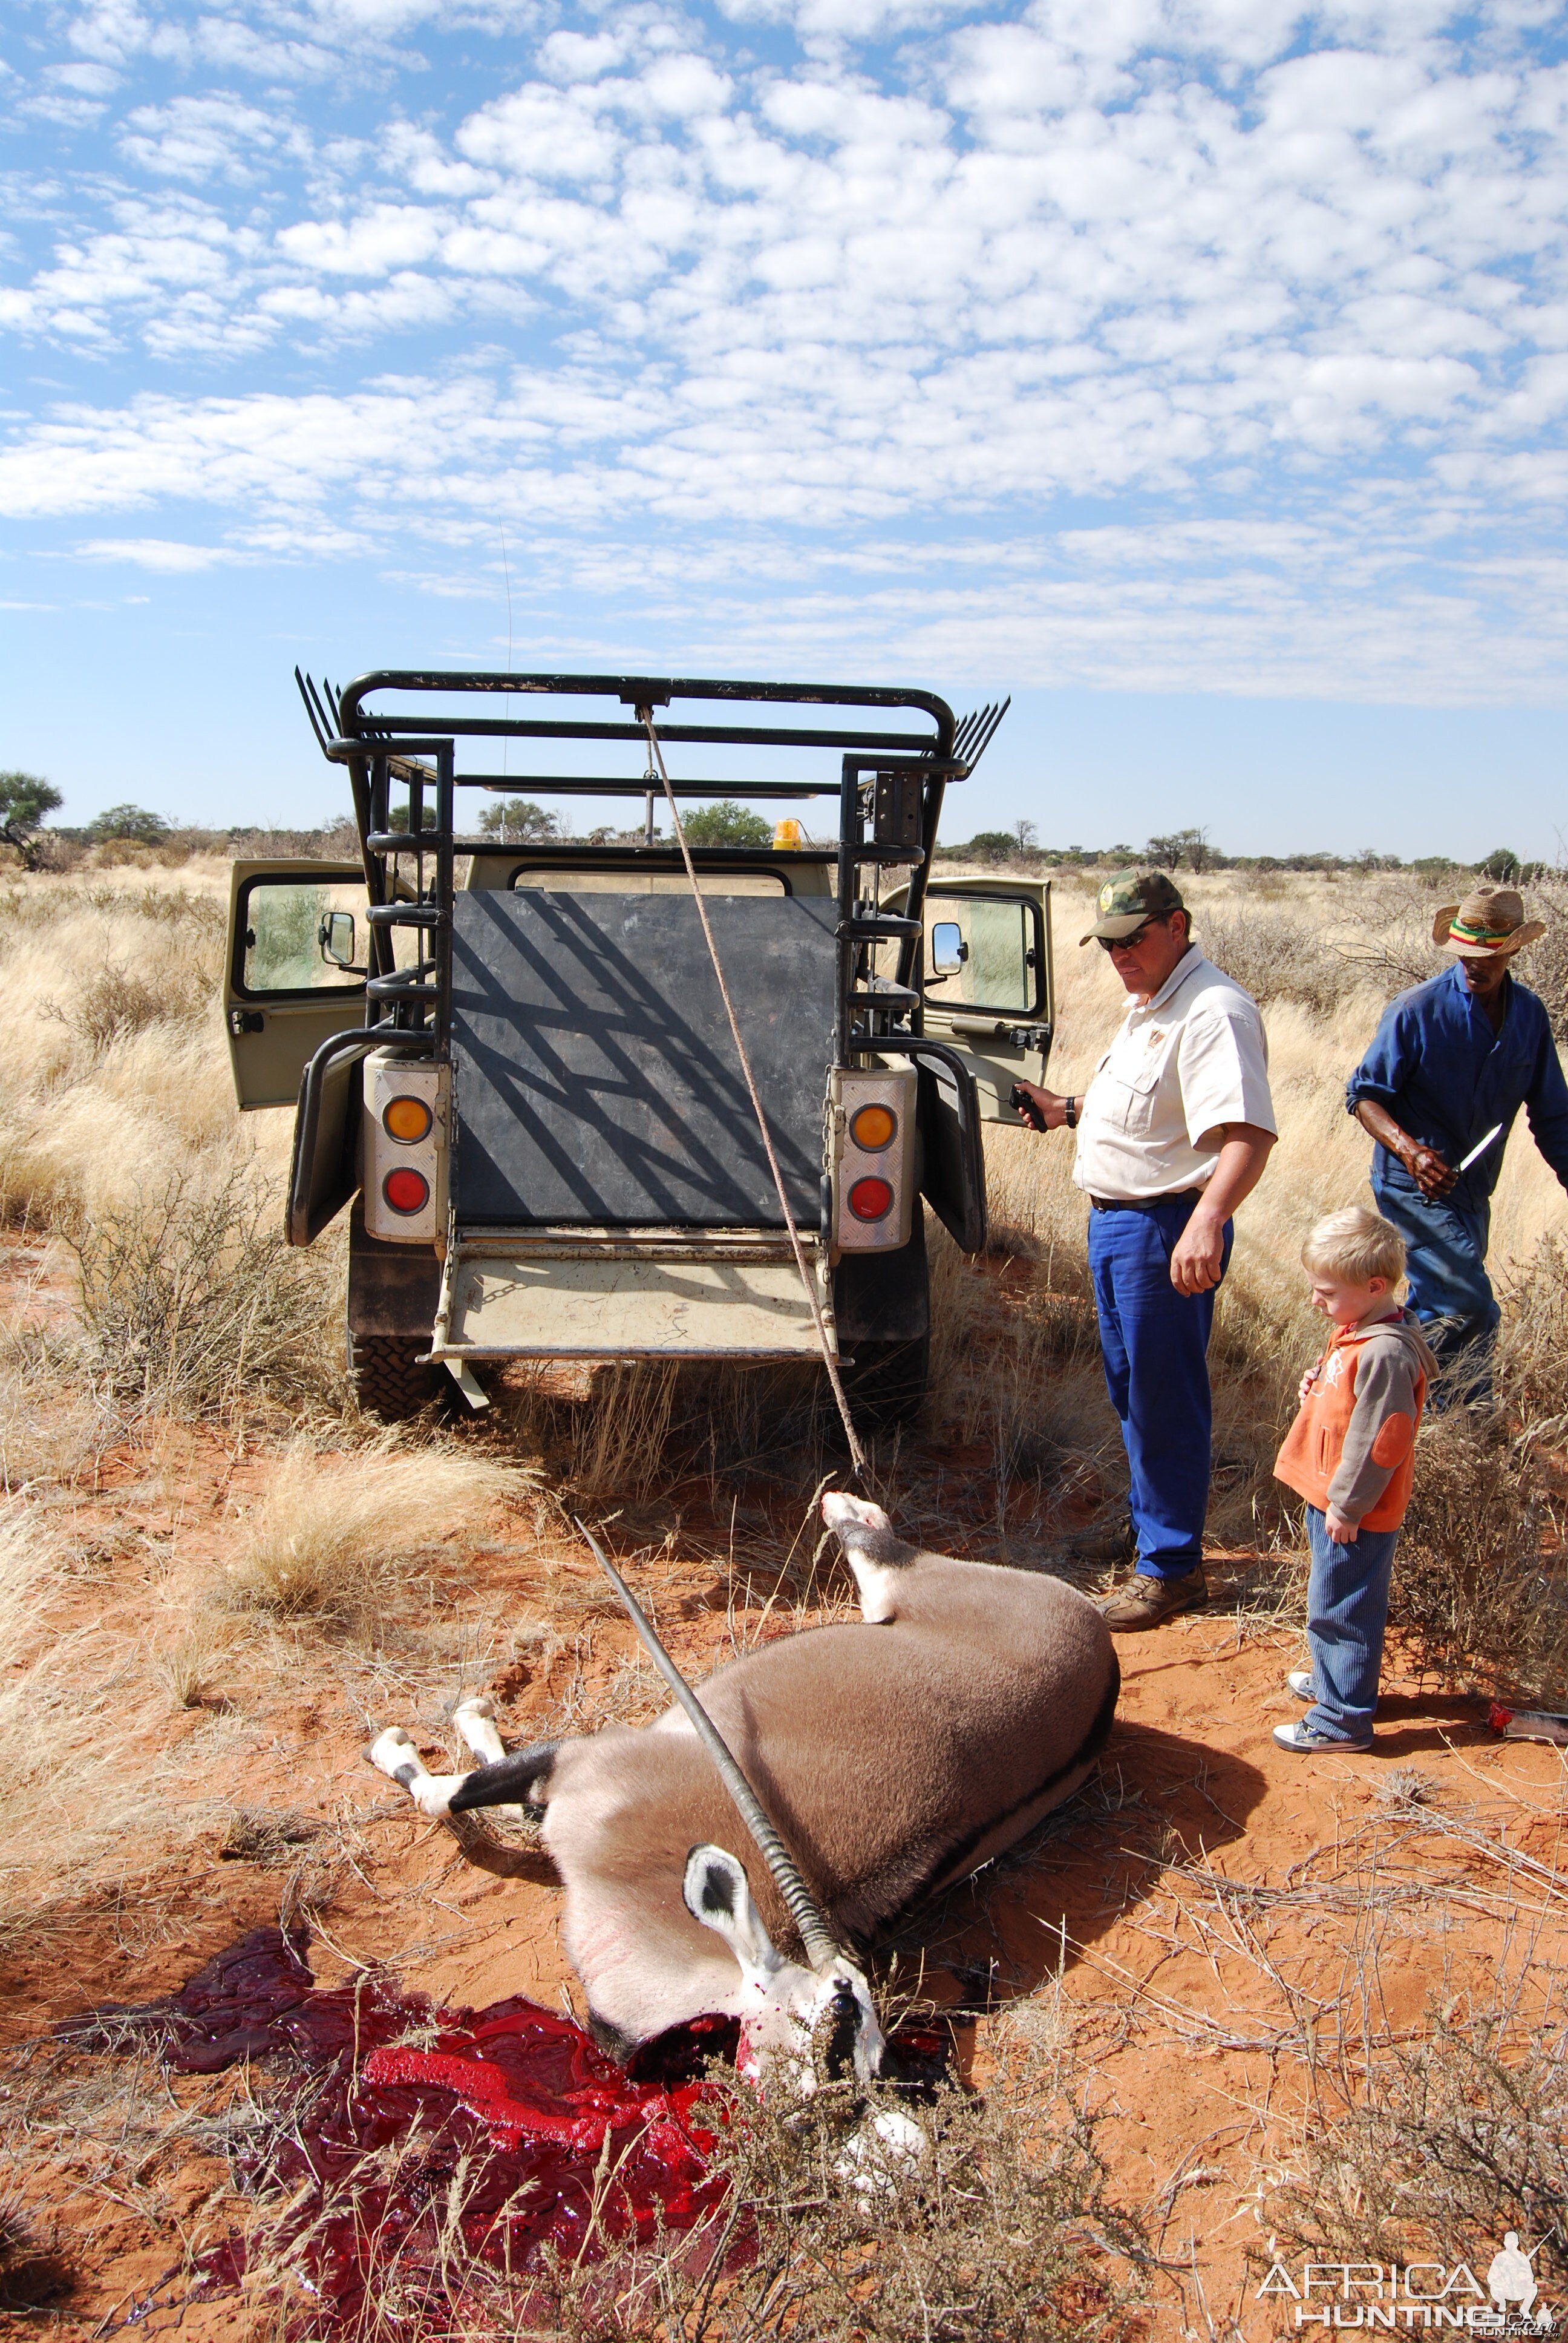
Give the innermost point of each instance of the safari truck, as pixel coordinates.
(512, 1066)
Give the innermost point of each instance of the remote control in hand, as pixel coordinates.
(1020, 1101)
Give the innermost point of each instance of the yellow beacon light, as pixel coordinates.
(407, 1118)
(873, 1127)
(789, 834)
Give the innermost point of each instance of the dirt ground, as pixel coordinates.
(1209, 1940)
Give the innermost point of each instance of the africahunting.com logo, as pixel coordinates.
(1421, 2297)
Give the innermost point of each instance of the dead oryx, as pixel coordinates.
(893, 1756)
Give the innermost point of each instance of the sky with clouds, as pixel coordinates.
(1194, 370)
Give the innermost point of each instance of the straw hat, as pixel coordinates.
(1491, 919)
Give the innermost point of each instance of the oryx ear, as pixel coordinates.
(716, 1894)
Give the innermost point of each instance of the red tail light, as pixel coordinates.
(406, 1190)
(871, 1199)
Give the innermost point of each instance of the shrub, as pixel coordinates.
(1478, 1579)
(727, 824)
(1276, 956)
(1451, 2139)
(131, 825)
(193, 1302)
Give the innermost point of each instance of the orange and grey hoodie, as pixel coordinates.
(1352, 1444)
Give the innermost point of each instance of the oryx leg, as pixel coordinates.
(873, 1552)
(476, 1721)
(394, 1753)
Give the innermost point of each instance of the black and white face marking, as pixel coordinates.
(782, 2003)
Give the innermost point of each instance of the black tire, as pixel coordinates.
(887, 1381)
(388, 1381)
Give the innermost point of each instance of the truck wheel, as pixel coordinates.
(387, 1379)
(887, 1381)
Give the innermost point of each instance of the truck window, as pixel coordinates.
(1000, 957)
(280, 931)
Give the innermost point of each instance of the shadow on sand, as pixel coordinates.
(996, 1937)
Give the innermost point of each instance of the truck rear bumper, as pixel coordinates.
(627, 1293)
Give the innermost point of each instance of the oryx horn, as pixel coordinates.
(821, 1946)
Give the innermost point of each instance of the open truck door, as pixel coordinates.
(987, 1012)
(296, 974)
(294, 1006)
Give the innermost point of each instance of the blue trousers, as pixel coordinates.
(1347, 1614)
(1155, 1345)
(1449, 1291)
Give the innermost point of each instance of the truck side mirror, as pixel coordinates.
(948, 949)
(336, 936)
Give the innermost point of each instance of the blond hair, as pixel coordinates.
(1355, 1244)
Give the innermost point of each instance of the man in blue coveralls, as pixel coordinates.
(1449, 1068)
(1173, 1133)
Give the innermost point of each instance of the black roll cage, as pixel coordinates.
(890, 787)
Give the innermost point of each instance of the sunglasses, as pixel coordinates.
(1128, 943)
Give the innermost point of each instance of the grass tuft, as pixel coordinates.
(337, 1539)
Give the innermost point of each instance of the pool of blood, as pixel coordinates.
(555, 2145)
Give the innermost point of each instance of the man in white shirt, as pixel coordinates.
(1172, 1132)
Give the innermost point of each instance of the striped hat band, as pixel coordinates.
(1471, 931)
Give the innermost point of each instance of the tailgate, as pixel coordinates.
(582, 1294)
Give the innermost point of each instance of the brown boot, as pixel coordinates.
(1144, 1601)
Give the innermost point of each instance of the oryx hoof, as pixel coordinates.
(393, 1750)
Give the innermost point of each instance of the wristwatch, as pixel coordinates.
(1069, 1113)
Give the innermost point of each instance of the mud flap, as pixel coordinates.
(952, 1173)
(883, 1297)
(393, 1289)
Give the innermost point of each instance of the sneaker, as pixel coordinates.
(1299, 1682)
(1110, 1540)
(1144, 1601)
(1306, 1740)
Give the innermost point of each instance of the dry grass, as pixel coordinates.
(196, 1305)
(115, 1065)
(1445, 2143)
(336, 1539)
(1007, 2231)
(77, 1813)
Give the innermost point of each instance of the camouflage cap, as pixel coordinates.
(1124, 902)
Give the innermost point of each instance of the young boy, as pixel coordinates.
(1349, 1454)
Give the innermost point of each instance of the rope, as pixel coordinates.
(857, 1454)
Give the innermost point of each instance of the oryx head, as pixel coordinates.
(820, 2019)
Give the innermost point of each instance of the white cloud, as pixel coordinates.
(384, 237)
(159, 553)
(1163, 254)
(203, 138)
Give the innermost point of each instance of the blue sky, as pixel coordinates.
(1193, 370)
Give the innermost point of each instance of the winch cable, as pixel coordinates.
(857, 1454)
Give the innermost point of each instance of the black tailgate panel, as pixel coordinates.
(595, 1077)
